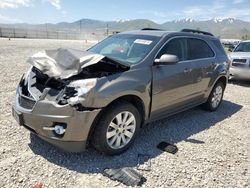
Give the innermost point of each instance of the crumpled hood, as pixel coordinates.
(239, 55)
(63, 63)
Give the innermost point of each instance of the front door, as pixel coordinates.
(173, 85)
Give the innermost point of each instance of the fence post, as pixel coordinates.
(1, 34)
(14, 33)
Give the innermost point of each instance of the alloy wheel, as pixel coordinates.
(121, 130)
(217, 96)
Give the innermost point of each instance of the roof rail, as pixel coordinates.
(151, 29)
(197, 31)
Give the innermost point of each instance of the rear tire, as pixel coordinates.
(117, 128)
(215, 98)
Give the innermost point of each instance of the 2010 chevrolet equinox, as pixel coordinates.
(104, 95)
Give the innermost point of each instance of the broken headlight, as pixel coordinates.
(82, 87)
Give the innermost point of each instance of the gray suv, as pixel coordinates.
(104, 95)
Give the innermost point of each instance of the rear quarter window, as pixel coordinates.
(199, 49)
(220, 51)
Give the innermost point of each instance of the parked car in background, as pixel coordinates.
(103, 96)
(240, 58)
(230, 44)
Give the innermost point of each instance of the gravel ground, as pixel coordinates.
(213, 147)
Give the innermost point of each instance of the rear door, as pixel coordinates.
(172, 84)
(203, 59)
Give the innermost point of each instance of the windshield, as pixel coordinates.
(127, 48)
(243, 47)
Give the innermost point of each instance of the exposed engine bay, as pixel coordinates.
(66, 81)
(103, 68)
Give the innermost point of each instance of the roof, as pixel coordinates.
(158, 33)
(246, 41)
(161, 33)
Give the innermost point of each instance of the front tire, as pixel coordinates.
(117, 128)
(215, 97)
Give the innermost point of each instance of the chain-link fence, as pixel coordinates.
(52, 34)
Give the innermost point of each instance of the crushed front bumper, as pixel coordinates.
(46, 114)
(240, 73)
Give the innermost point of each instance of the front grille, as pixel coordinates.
(239, 61)
(238, 65)
(26, 102)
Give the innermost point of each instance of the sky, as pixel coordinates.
(160, 11)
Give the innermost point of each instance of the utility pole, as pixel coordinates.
(80, 33)
(14, 32)
(47, 30)
(107, 30)
(80, 26)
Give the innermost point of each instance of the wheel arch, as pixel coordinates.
(207, 105)
(132, 99)
(222, 79)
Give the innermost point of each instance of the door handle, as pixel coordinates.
(187, 70)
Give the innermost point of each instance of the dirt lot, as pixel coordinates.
(213, 147)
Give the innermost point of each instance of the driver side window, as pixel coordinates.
(176, 47)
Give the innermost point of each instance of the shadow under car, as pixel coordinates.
(173, 129)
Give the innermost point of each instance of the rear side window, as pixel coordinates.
(199, 49)
(176, 47)
(220, 52)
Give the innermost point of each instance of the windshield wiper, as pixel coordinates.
(118, 61)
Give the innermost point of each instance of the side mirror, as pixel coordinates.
(167, 59)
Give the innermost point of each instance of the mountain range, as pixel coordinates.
(223, 28)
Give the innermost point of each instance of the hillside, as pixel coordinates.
(224, 28)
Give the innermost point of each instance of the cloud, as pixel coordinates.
(235, 13)
(14, 3)
(158, 16)
(206, 12)
(219, 4)
(5, 19)
(218, 9)
(64, 13)
(55, 3)
(155, 13)
(239, 1)
(11, 4)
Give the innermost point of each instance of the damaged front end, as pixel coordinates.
(51, 98)
(63, 92)
(67, 76)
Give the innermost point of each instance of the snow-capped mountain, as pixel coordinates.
(185, 20)
(225, 20)
(122, 20)
(217, 20)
